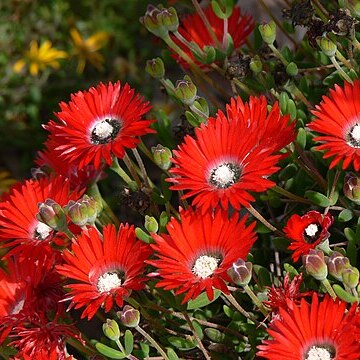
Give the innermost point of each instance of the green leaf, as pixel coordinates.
(345, 215)
(180, 343)
(263, 274)
(129, 342)
(202, 300)
(228, 312)
(171, 354)
(143, 236)
(291, 108)
(344, 295)
(109, 352)
(192, 118)
(214, 335)
(290, 269)
(163, 220)
(301, 138)
(317, 198)
(283, 100)
(198, 329)
(334, 198)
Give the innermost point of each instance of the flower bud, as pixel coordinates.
(256, 64)
(162, 156)
(185, 91)
(111, 329)
(350, 277)
(268, 32)
(292, 69)
(314, 263)
(240, 272)
(170, 19)
(337, 263)
(327, 46)
(52, 214)
(155, 68)
(152, 20)
(83, 211)
(151, 225)
(129, 316)
(351, 188)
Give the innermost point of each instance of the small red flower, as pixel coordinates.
(337, 118)
(307, 231)
(192, 28)
(199, 250)
(99, 123)
(106, 268)
(19, 227)
(218, 169)
(317, 330)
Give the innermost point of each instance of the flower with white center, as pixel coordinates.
(108, 281)
(205, 266)
(319, 353)
(225, 175)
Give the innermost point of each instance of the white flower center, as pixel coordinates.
(108, 281)
(319, 353)
(205, 266)
(311, 230)
(353, 136)
(42, 231)
(225, 175)
(105, 130)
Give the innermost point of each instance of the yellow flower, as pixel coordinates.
(87, 49)
(40, 58)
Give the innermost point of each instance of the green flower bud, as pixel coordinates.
(162, 156)
(240, 272)
(222, 8)
(185, 91)
(155, 68)
(129, 316)
(170, 19)
(152, 20)
(351, 188)
(350, 277)
(151, 225)
(52, 214)
(292, 69)
(315, 265)
(111, 329)
(337, 263)
(268, 32)
(327, 46)
(83, 211)
(256, 64)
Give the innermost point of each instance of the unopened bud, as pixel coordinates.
(52, 214)
(111, 329)
(315, 265)
(350, 277)
(352, 188)
(162, 156)
(292, 69)
(337, 263)
(152, 20)
(129, 316)
(170, 19)
(327, 46)
(83, 211)
(240, 272)
(268, 32)
(155, 68)
(151, 225)
(185, 91)
(256, 64)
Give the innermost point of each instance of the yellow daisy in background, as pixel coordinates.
(87, 49)
(39, 58)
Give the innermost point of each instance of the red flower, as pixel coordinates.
(199, 250)
(106, 270)
(19, 226)
(337, 118)
(289, 290)
(307, 231)
(192, 28)
(218, 168)
(99, 123)
(320, 330)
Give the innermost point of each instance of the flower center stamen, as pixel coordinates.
(353, 136)
(225, 175)
(205, 266)
(311, 233)
(42, 231)
(105, 131)
(109, 281)
(320, 353)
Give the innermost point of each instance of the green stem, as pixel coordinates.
(333, 189)
(129, 164)
(341, 58)
(328, 288)
(340, 70)
(152, 341)
(142, 168)
(255, 300)
(290, 195)
(278, 54)
(118, 170)
(198, 112)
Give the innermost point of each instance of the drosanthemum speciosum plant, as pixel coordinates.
(219, 222)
